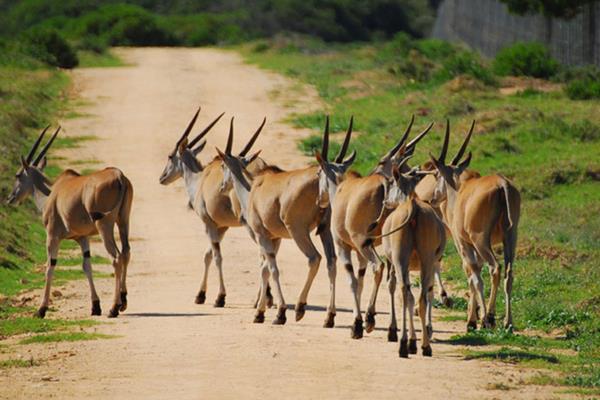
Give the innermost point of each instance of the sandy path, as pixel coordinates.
(168, 347)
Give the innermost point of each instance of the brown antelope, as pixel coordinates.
(356, 202)
(77, 207)
(413, 238)
(279, 204)
(218, 209)
(480, 211)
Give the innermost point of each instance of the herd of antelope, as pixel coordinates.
(409, 211)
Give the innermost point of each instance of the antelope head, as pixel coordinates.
(184, 153)
(236, 165)
(448, 175)
(332, 172)
(30, 176)
(403, 184)
(401, 150)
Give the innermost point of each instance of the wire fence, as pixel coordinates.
(486, 25)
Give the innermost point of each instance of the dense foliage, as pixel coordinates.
(528, 59)
(553, 8)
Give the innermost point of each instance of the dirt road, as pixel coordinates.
(167, 347)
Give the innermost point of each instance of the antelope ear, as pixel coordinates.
(464, 164)
(253, 157)
(182, 146)
(24, 164)
(199, 148)
(320, 159)
(42, 164)
(350, 160)
(220, 154)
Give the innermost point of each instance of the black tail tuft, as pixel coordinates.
(368, 242)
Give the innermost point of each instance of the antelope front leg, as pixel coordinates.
(87, 269)
(52, 253)
(106, 229)
(270, 248)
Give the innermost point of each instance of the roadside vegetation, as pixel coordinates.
(527, 128)
(31, 97)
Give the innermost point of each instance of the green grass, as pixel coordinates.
(18, 363)
(19, 324)
(65, 337)
(546, 143)
(91, 59)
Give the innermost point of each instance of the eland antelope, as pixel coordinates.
(355, 203)
(413, 238)
(219, 210)
(77, 207)
(279, 204)
(480, 211)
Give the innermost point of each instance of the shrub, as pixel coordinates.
(528, 59)
(583, 89)
(465, 63)
(49, 47)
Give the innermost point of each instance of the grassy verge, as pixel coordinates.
(31, 96)
(65, 337)
(92, 59)
(545, 142)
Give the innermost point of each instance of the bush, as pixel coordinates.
(127, 25)
(49, 47)
(465, 63)
(528, 59)
(583, 89)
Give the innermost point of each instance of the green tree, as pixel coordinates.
(551, 8)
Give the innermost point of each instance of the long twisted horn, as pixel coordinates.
(46, 147)
(204, 132)
(187, 130)
(250, 143)
(395, 149)
(344, 149)
(229, 138)
(444, 151)
(36, 144)
(325, 147)
(462, 149)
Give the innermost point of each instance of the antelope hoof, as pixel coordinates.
(392, 334)
(300, 310)
(123, 301)
(491, 320)
(259, 318)
(114, 312)
(220, 301)
(412, 346)
(201, 297)
(281, 319)
(403, 348)
(329, 321)
(41, 312)
(426, 351)
(429, 332)
(96, 310)
(370, 321)
(357, 329)
(447, 301)
(471, 326)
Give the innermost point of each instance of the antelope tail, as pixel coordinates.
(411, 215)
(507, 200)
